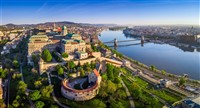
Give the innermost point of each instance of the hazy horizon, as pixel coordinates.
(121, 12)
(106, 24)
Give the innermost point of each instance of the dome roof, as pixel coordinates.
(64, 27)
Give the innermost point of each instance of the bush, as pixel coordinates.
(46, 55)
(65, 55)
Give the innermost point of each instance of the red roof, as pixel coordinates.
(96, 72)
(74, 42)
(55, 41)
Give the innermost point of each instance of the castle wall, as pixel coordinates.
(81, 95)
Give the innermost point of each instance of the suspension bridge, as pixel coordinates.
(115, 42)
(112, 41)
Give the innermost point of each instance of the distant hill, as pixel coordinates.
(61, 23)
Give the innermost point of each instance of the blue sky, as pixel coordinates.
(136, 12)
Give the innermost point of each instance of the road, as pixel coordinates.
(27, 90)
(128, 95)
(8, 89)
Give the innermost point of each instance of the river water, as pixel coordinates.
(164, 56)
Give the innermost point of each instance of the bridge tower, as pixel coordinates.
(115, 42)
(142, 40)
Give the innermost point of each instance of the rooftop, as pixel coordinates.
(39, 38)
(71, 41)
(196, 100)
(193, 102)
(72, 35)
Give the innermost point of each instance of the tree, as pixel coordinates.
(182, 81)
(53, 106)
(117, 105)
(104, 76)
(8, 63)
(47, 90)
(102, 90)
(46, 55)
(60, 71)
(39, 104)
(109, 69)
(163, 72)
(154, 102)
(64, 55)
(82, 72)
(71, 64)
(153, 68)
(33, 70)
(136, 91)
(35, 95)
(16, 75)
(111, 87)
(88, 69)
(2, 105)
(92, 65)
(116, 71)
(15, 103)
(3, 73)
(117, 80)
(96, 103)
(94, 48)
(35, 59)
(22, 87)
(120, 94)
(37, 84)
(58, 66)
(15, 64)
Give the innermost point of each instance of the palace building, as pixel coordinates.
(67, 42)
(73, 43)
(37, 43)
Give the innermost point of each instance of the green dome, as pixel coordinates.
(64, 27)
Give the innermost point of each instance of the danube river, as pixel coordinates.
(164, 56)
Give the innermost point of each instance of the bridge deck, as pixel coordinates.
(121, 41)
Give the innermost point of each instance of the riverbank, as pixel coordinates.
(157, 75)
(171, 41)
(190, 80)
(164, 56)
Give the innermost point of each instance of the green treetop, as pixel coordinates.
(46, 55)
(35, 95)
(39, 104)
(65, 55)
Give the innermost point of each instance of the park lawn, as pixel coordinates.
(165, 95)
(138, 103)
(170, 98)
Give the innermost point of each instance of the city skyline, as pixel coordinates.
(123, 12)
